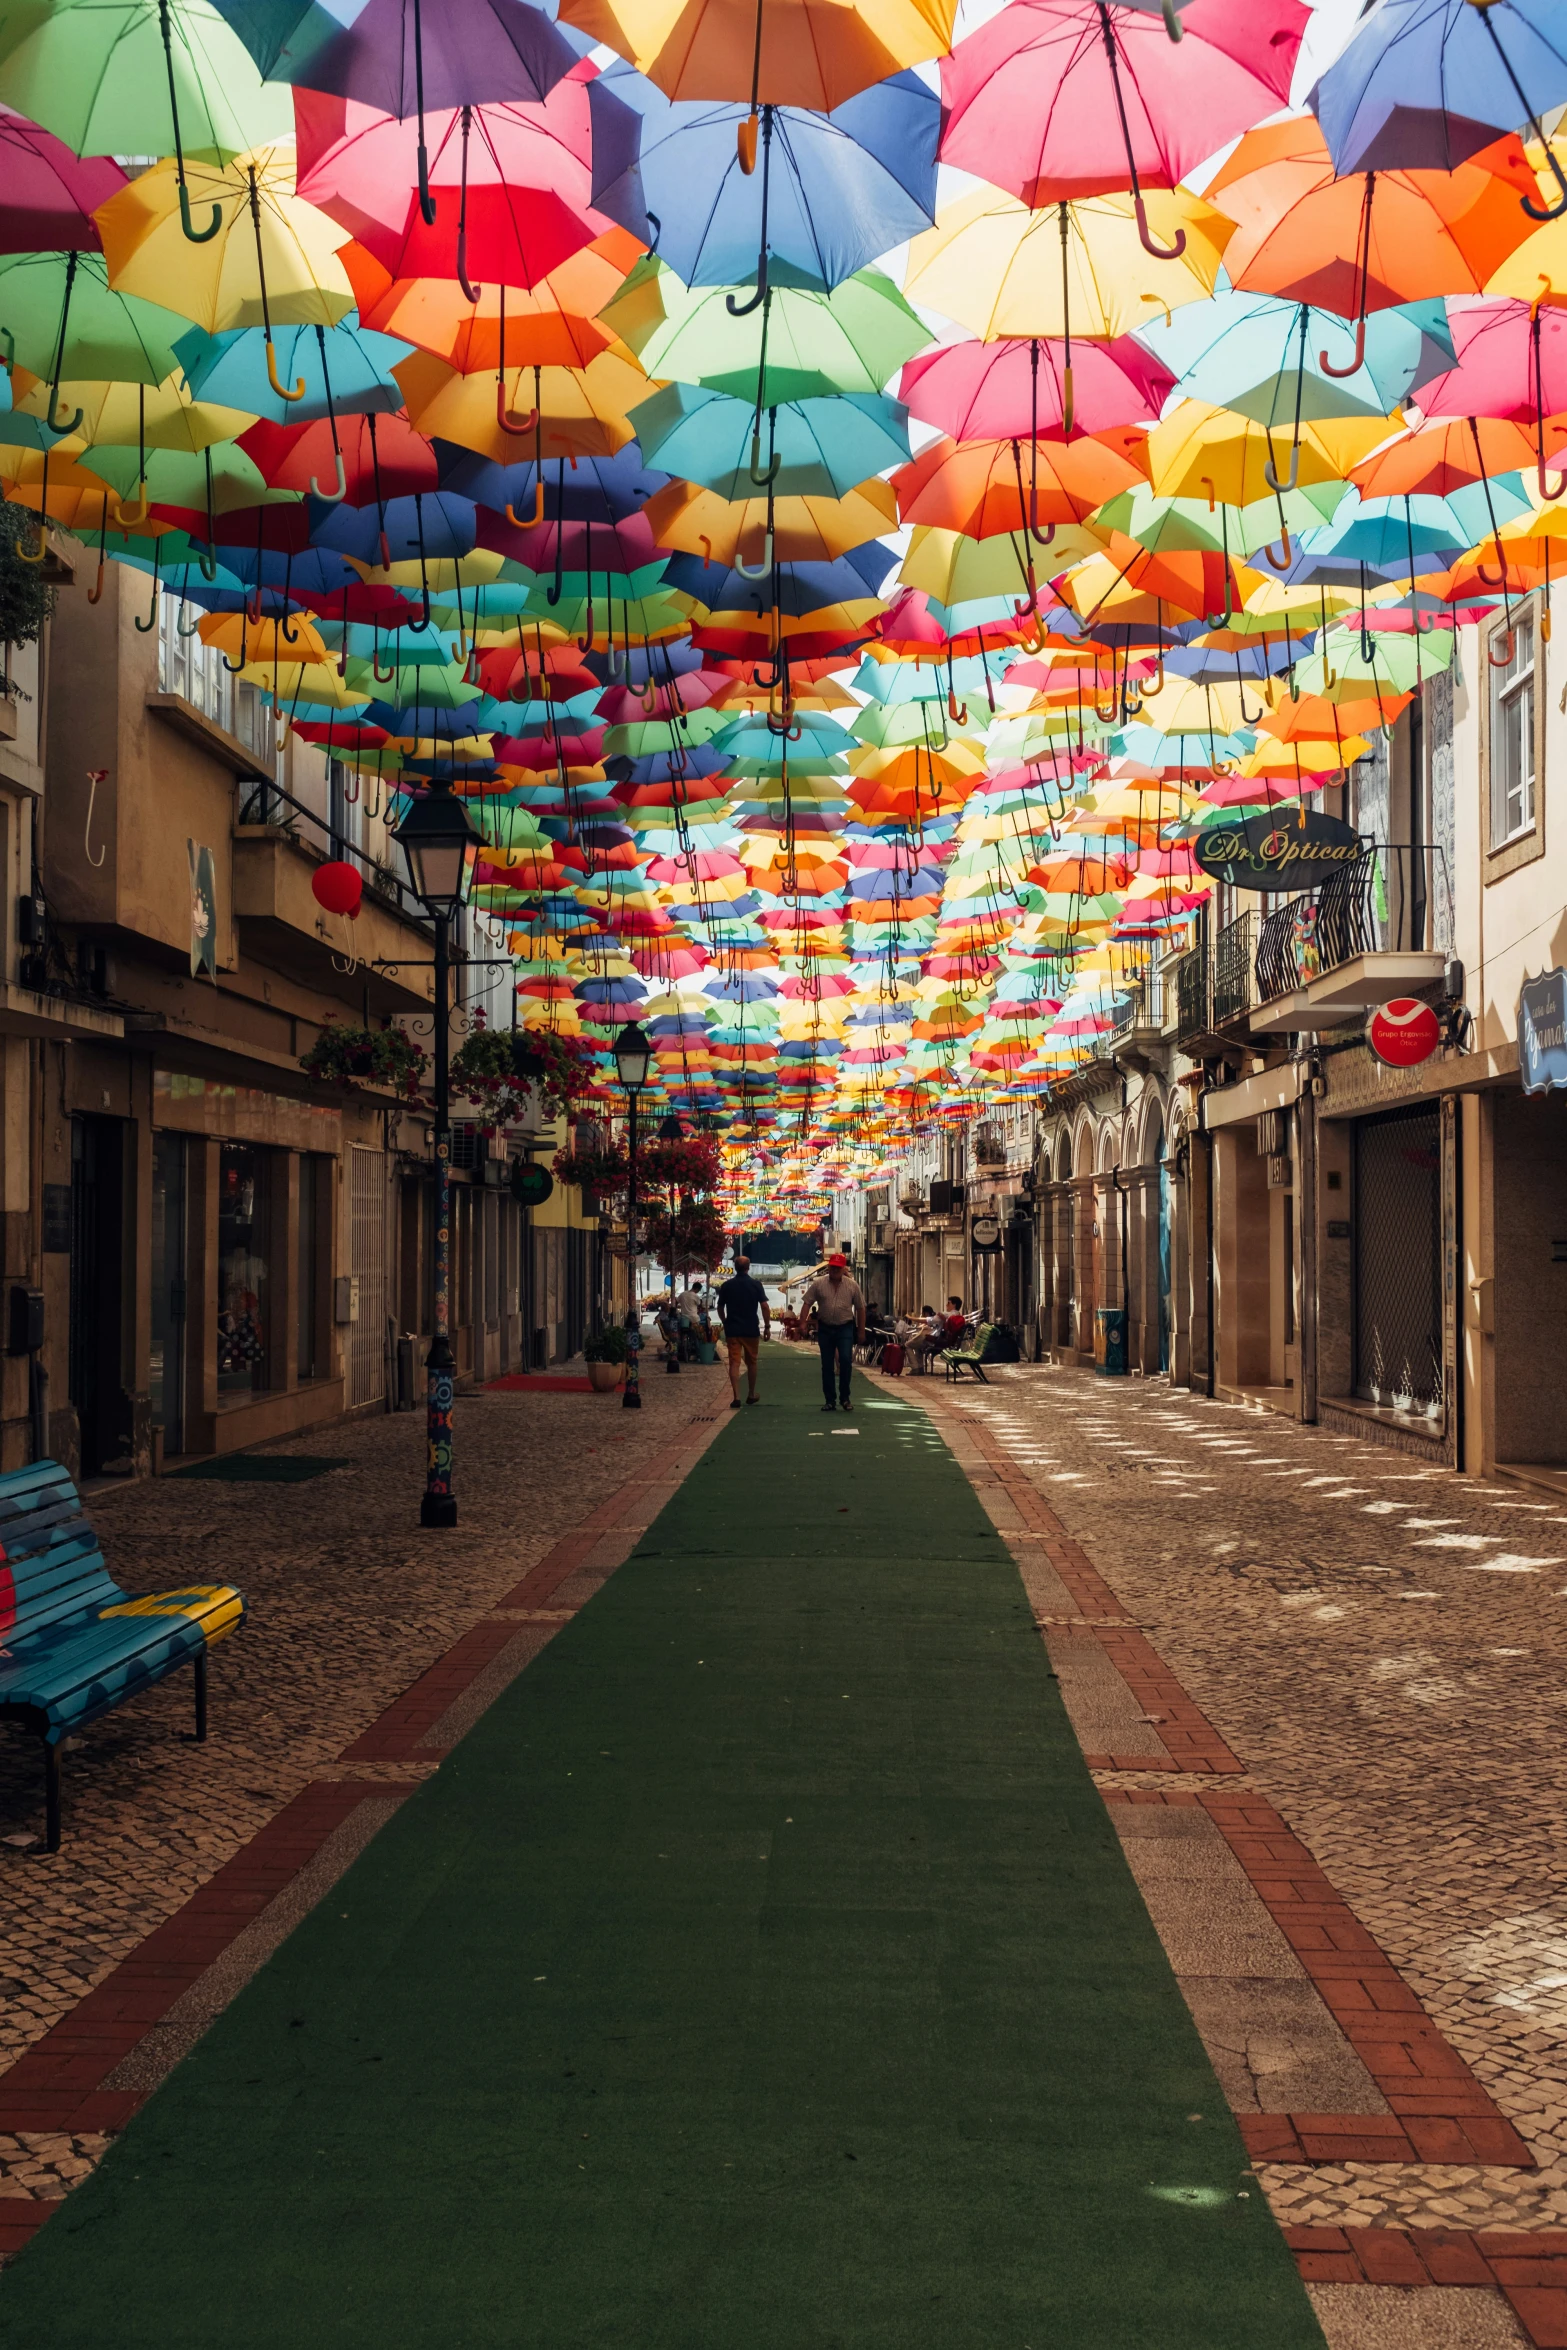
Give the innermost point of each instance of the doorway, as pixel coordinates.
(96, 1385)
(166, 1360)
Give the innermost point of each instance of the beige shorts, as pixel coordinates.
(746, 1348)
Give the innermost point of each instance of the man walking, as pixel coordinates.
(835, 1310)
(745, 1314)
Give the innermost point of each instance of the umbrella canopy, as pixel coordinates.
(837, 189)
(47, 194)
(272, 256)
(402, 60)
(1425, 84)
(1052, 99)
(1272, 359)
(65, 319)
(1002, 391)
(982, 487)
(552, 323)
(853, 339)
(141, 76)
(345, 370)
(810, 53)
(995, 268)
(824, 447)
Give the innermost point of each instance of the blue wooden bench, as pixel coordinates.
(72, 1644)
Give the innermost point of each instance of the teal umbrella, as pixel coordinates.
(344, 368)
(1247, 352)
(824, 447)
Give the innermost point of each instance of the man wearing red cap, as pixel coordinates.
(835, 1310)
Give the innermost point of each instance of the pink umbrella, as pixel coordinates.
(520, 177)
(1054, 99)
(1015, 389)
(49, 193)
(1512, 364)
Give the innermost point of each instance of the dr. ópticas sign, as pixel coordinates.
(1289, 853)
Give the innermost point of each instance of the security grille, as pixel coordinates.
(1398, 1270)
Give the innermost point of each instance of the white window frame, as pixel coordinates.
(1513, 736)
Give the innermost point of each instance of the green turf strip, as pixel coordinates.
(761, 1973)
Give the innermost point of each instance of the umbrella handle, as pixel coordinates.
(958, 717)
(1356, 363)
(536, 517)
(1172, 23)
(132, 517)
(504, 417)
(194, 235)
(1505, 640)
(1279, 562)
(763, 477)
(288, 632)
(234, 667)
(385, 552)
(745, 142)
(470, 293)
(757, 570)
(275, 380)
(142, 627)
(426, 200)
(181, 630)
(1549, 211)
(95, 592)
(1159, 252)
(1549, 492)
(37, 554)
(335, 496)
(207, 563)
(744, 309)
(1270, 471)
(64, 430)
(1486, 578)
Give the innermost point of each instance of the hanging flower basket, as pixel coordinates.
(562, 1067)
(595, 1169)
(689, 1165)
(351, 1057)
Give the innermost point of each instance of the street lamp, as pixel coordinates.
(633, 1060)
(436, 836)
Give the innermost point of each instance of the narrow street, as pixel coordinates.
(1306, 1745)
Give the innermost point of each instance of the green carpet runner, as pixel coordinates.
(761, 1973)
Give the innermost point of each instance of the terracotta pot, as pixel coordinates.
(605, 1375)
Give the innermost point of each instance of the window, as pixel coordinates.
(198, 673)
(1512, 734)
(314, 1200)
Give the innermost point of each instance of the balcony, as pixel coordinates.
(278, 844)
(1326, 958)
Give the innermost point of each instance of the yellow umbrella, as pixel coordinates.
(812, 53)
(129, 416)
(1215, 453)
(788, 530)
(958, 570)
(563, 411)
(273, 259)
(996, 268)
(262, 641)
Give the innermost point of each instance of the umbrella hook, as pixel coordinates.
(1547, 491)
(286, 630)
(333, 497)
(552, 593)
(1253, 718)
(1157, 251)
(197, 236)
(744, 309)
(1358, 356)
(585, 643)
(95, 592)
(990, 691)
(745, 130)
(958, 717)
(59, 359)
(517, 426)
(616, 663)
(471, 293)
(759, 570)
(179, 618)
(234, 667)
(208, 559)
(1279, 562)
(763, 480)
(342, 655)
(146, 627)
(1500, 578)
(273, 378)
(1535, 211)
(1502, 643)
(426, 200)
(537, 420)
(416, 627)
(380, 502)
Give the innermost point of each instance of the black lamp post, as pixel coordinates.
(633, 1060)
(437, 836)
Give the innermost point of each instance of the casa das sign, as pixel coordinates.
(1292, 853)
(1542, 1033)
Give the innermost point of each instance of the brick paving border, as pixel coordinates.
(57, 2086)
(1529, 2269)
(1439, 2112)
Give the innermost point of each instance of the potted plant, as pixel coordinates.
(692, 1164)
(604, 1352)
(595, 1167)
(562, 1067)
(351, 1057)
(484, 1071)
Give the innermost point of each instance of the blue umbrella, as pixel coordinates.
(1426, 83)
(345, 368)
(1245, 351)
(823, 447)
(801, 587)
(595, 489)
(833, 192)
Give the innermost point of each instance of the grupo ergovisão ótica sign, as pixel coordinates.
(1289, 853)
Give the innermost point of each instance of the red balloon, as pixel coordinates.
(339, 888)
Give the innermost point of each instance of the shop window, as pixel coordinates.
(166, 1359)
(244, 1269)
(1398, 1264)
(1512, 734)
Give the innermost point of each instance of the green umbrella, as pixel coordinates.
(1184, 526)
(178, 477)
(61, 318)
(802, 344)
(107, 79)
(416, 686)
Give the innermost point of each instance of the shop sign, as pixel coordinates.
(531, 1184)
(1403, 1033)
(1542, 1033)
(985, 1233)
(1296, 852)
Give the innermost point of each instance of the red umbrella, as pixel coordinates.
(1054, 99)
(1512, 365)
(392, 462)
(1013, 389)
(49, 193)
(517, 182)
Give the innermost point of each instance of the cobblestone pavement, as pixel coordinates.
(349, 1602)
(1384, 1646)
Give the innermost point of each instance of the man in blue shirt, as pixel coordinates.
(744, 1312)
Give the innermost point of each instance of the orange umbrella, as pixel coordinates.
(554, 324)
(788, 530)
(582, 411)
(985, 487)
(812, 53)
(1130, 584)
(1448, 452)
(1375, 239)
